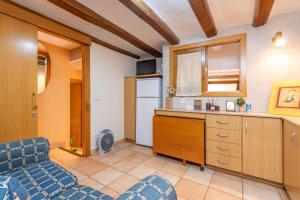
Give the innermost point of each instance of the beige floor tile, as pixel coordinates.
(110, 160)
(194, 173)
(79, 175)
(170, 177)
(142, 171)
(155, 162)
(139, 157)
(77, 162)
(125, 165)
(125, 145)
(259, 184)
(92, 183)
(92, 168)
(178, 169)
(110, 192)
(190, 190)
(257, 192)
(213, 194)
(227, 183)
(123, 183)
(283, 194)
(180, 198)
(107, 176)
(124, 153)
(142, 149)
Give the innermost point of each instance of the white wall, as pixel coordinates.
(265, 63)
(108, 69)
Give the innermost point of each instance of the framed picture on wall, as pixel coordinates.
(289, 97)
(230, 105)
(285, 98)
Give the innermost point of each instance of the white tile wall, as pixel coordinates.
(265, 63)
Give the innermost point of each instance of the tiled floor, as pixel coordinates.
(128, 163)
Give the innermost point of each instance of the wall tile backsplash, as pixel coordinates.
(265, 63)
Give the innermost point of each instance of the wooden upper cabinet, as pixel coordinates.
(262, 148)
(291, 160)
(18, 79)
(129, 107)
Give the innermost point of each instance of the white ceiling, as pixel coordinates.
(177, 14)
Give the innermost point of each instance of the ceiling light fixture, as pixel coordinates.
(278, 40)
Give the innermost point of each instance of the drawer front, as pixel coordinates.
(225, 162)
(228, 149)
(224, 122)
(224, 135)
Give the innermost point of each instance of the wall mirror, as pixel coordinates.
(44, 68)
(213, 68)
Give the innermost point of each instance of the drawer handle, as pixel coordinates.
(220, 135)
(223, 148)
(221, 122)
(293, 138)
(222, 162)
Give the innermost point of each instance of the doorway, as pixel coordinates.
(63, 83)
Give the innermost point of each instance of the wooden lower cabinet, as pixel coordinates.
(291, 160)
(262, 148)
(182, 138)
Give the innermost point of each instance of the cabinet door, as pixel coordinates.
(129, 107)
(182, 138)
(18, 79)
(291, 173)
(262, 148)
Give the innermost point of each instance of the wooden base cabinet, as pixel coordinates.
(178, 137)
(292, 160)
(262, 148)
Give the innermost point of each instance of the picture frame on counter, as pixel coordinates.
(230, 105)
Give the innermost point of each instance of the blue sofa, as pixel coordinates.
(26, 172)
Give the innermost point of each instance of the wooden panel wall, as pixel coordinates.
(18, 79)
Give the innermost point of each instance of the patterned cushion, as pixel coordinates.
(45, 180)
(82, 192)
(11, 189)
(15, 155)
(151, 187)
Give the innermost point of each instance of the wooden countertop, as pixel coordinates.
(294, 120)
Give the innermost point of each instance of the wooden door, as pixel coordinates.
(262, 148)
(291, 169)
(18, 79)
(76, 113)
(129, 107)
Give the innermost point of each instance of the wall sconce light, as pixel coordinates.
(278, 40)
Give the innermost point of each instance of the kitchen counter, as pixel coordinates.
(294, 120)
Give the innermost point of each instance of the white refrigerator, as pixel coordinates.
(148, 98)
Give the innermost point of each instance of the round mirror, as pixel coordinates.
(44, 68)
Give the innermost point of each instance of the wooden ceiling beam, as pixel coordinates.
(262, 12)
(89, 15)
(142, 10)
(49, 25)
(204, 16)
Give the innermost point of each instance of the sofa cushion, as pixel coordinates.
(11, 189)
(152, 187)
(82, 192)
(16, 155)
(45, 180)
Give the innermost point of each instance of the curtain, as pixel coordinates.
(189, 74)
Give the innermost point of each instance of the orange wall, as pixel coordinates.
(54, 102)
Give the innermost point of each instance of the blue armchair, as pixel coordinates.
(27, 172)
